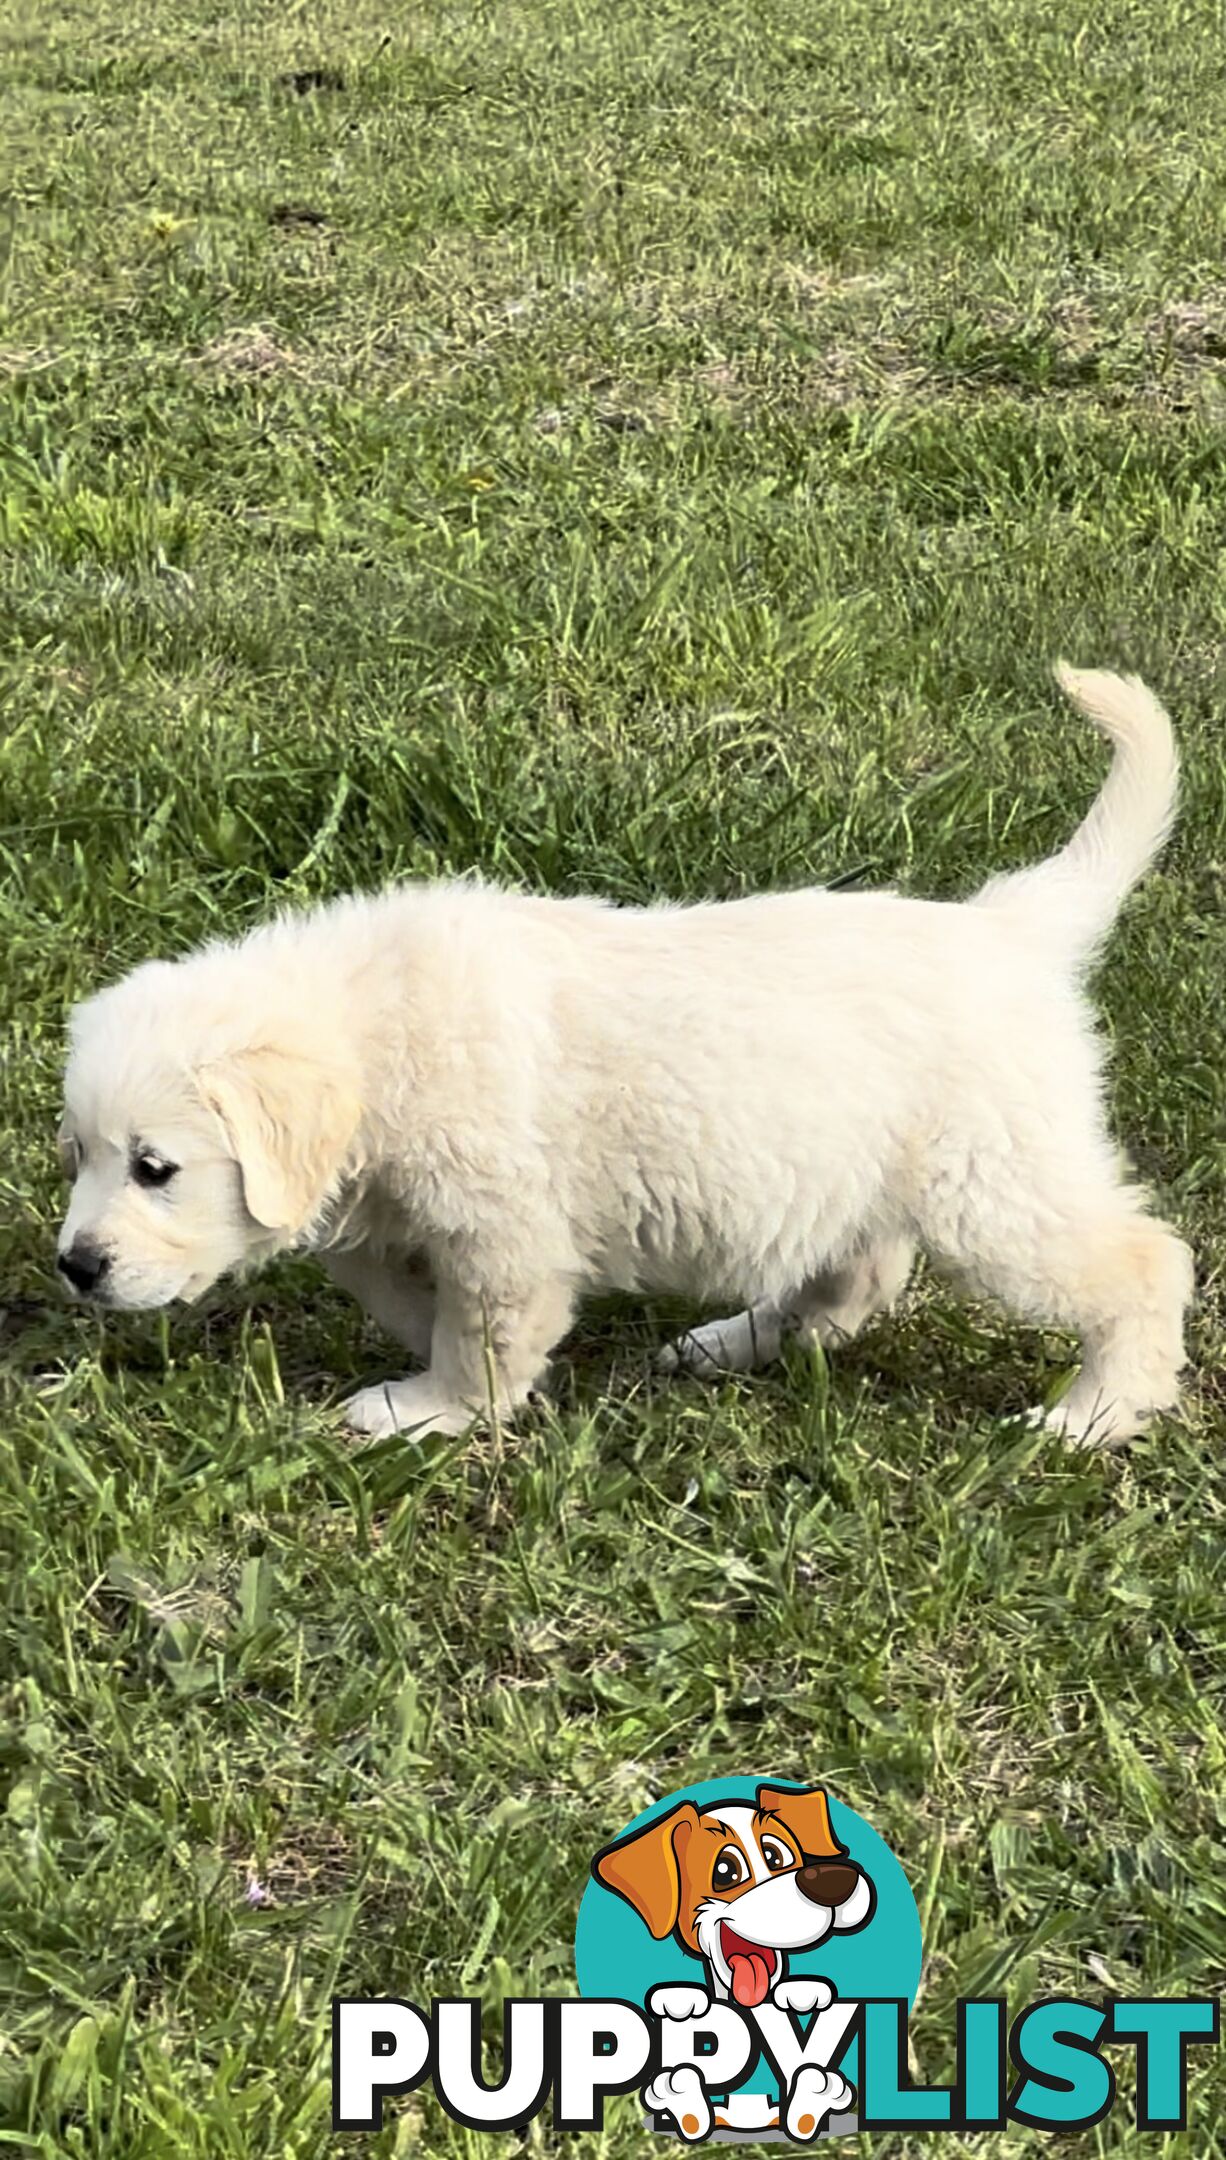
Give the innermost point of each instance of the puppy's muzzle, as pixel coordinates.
(84, 1265)
(827, 1882)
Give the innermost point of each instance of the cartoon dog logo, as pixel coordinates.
(739, 1887)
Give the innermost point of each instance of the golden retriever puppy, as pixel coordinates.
(476, 1106)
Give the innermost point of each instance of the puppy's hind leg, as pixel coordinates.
(743, 1343)
(1127, 1289)
(1093, 1262)
(833, 1306)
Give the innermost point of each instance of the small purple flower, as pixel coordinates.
(256, 1892)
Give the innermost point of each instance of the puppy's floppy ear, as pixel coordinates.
(289, 1118)
(806, 1815)
(645, 1868)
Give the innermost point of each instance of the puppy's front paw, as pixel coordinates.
(404, 1406)
(814, 2098)
(803, 1996)
(679, 2093)
(1079, 1425)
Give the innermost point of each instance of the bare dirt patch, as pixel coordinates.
(249, 351)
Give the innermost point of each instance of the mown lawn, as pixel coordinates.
(654, 449)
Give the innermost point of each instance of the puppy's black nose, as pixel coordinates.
(84, 1265)
(827, 1882)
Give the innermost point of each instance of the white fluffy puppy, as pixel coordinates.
(476, 1106)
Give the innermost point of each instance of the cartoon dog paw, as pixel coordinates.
(803, 1996)
(678, 2002)
(679, 2094)
(814, 2098)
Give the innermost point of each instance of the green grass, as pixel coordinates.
(654, 449)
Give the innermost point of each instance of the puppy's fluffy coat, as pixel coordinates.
(476, 1106)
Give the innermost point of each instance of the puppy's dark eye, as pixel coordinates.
(69, 1154)
(775, 1856)
(151, 1170)
(729, 1869)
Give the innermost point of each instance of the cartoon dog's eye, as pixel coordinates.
(729, 1869)
(775, 1856)
(151, 1170)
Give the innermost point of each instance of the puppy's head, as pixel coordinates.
(741, 1885)
(202, 1130)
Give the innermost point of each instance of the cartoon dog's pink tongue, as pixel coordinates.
(751, 1967)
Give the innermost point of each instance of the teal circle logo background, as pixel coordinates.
(615, 1955)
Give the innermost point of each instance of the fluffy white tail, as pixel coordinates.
(1077, 894)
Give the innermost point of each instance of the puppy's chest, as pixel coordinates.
(379, 1210)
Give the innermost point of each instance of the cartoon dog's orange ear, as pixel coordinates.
(645, 1868)
(806, 1815)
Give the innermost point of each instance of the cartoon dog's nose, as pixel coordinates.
(84, 1265)
(827, 1882)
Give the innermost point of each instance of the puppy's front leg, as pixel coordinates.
(397, 1294)
(488, 1348)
